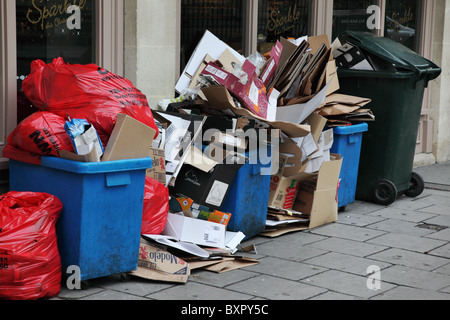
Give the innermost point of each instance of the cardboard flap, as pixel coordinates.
(326, 211)
(329, 174)
(219, 98)
(197, 159)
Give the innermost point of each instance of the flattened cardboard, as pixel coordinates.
(130, 139)
(219, 98)
(251, 94)
(155, 263)
(90, 157)
(211, 45)
(158, 169)
(317, 195)
(316, 198)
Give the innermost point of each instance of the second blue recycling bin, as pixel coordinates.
(248, 198)
(347, 143)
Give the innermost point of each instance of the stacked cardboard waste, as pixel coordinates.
(269, 116)
(230, 108)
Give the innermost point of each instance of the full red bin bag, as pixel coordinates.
(156, 207)
(30, 264)
(42, 133)
(86, 92)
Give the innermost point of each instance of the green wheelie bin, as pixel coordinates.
(396, 87)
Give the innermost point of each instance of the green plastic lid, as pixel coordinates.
(391, 51)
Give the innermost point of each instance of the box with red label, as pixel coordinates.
(250, 90)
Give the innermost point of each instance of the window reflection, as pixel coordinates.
(45, 30)
(351, 15)
(224, 18)
(402, 19)
(288, 19)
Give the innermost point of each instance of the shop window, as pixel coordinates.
(403, 21)
(355, 15)
(282, 18)
(51, 29)
(224, 18)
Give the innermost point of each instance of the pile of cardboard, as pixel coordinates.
(291, 93)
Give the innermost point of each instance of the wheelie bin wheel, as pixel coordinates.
(385, 193)
(417, 186)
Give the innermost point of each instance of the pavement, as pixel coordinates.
(400, 252)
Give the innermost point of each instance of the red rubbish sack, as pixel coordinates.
(42, 133)
(86, 92)
(30, 264)
(156, 207)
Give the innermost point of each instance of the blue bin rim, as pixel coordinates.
(96, 167)
(356, 128)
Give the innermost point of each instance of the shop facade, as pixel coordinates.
(149, 42)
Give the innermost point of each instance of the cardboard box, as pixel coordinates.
(316, 199)
(196, 231)
(250, 93)
(211, 45)
(130, 139)
(219, 98)
(317, 195)
(158, 169)
(155, 263)
(207, 181)
(282, 190)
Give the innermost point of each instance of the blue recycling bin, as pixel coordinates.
(248, 198)
(100, 225)
(347, 143)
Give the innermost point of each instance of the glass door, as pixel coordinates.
(48, 29)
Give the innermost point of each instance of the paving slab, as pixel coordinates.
(346, 263)
(410, 259)
(274, 288)
(288, 251)
(359, 220)
(346, 283)
(401, 227)
(408, 242)
(402, 214)
(198, 291)
(350, 247)
(344, 231)
(286, 269)
(443, 251)
(221, 279)
(411, 277)
(407, 293)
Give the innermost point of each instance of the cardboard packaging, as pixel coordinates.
(282, 190)
(130, 139)
(207, 181)
(316, 199)
(200, 232)
(251, 93)
(158, 169)
(155, 263)
(317, 194)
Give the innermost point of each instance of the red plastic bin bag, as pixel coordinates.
(85, 92)
(30, 264)
(156, 207)
(42, 133)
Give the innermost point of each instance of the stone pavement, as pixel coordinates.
(408, 243)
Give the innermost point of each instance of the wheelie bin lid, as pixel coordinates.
(391, 51)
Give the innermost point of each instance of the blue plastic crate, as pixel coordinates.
(248, 197)
(348, 142)
(100, 225)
